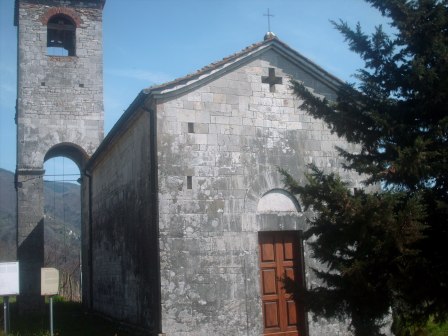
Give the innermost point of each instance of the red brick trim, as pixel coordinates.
(61, 10)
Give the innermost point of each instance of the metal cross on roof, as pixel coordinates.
(271, 80)
(269, 15)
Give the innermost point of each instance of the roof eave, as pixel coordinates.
(171, 90)
(201, 77)
(117, 128)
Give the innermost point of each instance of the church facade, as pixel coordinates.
(189, 230)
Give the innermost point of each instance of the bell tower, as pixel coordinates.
(59, 111)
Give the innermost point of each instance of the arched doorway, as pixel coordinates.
(62, 224)
(62, 216)
(281, 261)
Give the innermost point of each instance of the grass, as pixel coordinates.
(436, 329)
(69, 320)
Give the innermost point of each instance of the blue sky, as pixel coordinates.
(149, 42)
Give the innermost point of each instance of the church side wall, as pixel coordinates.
(124, 262)
(210, 282)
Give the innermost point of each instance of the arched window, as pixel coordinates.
(61, 36)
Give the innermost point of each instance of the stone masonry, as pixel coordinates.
(187, 179)
(177, 197)
(243, 131)
(59, 113)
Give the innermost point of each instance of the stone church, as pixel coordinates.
(187, 227)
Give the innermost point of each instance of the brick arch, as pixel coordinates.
(61, 10)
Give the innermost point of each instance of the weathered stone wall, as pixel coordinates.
(59, 112)
(30, 238)
(209, 234)
(60, 98)
(124, 243)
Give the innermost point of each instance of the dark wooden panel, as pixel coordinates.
(288, 248)
(290, 273)
(269, 281)
(271, 316)
(291, 308)
(268, 252)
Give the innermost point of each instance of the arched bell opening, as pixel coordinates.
(61, 36)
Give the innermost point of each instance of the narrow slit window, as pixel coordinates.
(189, 182)
(61, 36)
(190, 127)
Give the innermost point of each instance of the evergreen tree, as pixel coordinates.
(386, 250)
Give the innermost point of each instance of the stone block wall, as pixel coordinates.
(124, 262)
(60, 98)
(210, 182)
(59, 111)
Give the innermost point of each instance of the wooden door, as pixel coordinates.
(280, 257)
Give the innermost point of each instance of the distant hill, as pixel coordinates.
(62, 226)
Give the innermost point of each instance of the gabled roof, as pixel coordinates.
(227, 64)
(212, 72)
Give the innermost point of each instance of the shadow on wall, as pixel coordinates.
(30, 254)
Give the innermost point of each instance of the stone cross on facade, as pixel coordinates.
(271, 80)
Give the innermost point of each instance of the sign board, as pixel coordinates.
(9, 278)
(49, 281)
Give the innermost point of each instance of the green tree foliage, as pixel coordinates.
(386, 250)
